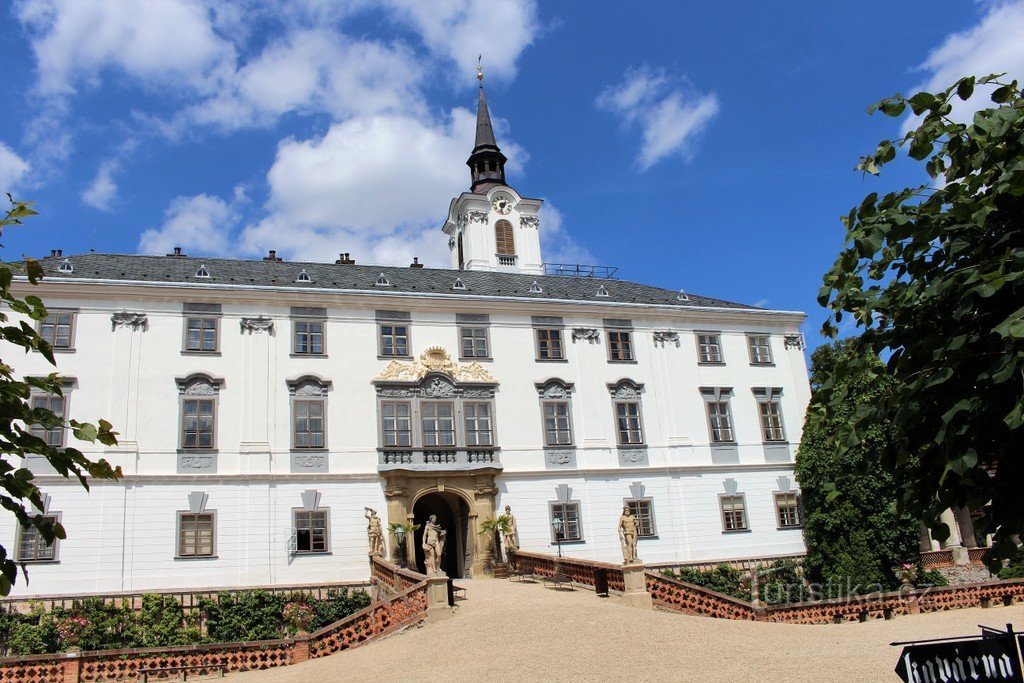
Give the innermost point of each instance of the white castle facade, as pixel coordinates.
(262, 405)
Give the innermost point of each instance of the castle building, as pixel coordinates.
(263, 404)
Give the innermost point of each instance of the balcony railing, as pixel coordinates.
(438, 458)
(507, 259)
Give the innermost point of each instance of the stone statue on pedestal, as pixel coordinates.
(374, 531)
(511, 534)
(627, 536)
(434, 537)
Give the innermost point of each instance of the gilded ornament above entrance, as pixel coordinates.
(434, 359)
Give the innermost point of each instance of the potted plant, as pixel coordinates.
(298, 614)
(498, 526)
(70, 629)
(907, 574)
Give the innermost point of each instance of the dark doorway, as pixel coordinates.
(453, 516)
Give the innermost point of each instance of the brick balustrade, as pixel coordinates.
(680, 596)
(404, 604)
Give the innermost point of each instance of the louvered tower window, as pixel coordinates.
(505, 239)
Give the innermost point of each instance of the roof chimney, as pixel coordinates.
(177, 253)
(344, 260)
(53, 253)
(415, 262)
(60, 252)
(273, 256)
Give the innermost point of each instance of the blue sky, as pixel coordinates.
(703, 146)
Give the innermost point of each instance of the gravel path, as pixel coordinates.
(523, 632)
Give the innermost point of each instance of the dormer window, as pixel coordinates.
(602, 291)
(536, 288)
(459, 285)
(303, 277)
(202, 272)
(683, 295)
(382, 281)
(66, 267)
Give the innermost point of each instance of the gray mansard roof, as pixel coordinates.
(330, 276)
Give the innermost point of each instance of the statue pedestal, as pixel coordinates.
(437, 598)
(635, 585)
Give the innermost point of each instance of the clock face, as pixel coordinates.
(502, 205)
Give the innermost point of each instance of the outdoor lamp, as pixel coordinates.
(556, 523)
(400, 535)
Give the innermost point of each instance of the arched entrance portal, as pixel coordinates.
(453, 516)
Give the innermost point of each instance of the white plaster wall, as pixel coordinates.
(128, 376)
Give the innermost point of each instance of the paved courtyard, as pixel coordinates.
(523, 632)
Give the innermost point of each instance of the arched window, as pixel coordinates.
(504, 238)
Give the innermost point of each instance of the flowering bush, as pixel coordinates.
(70, 629)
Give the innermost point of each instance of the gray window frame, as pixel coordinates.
(393, 324)
(465, 422)
(561, 343)
(322, 322)
(188, 318)
(55, 558)
(798, 507)
(763, 403)
(455, 417)
(579, 520)
(411, 418)
(649, 502)
(567, 401)
(213, 429)
(718, 344)
(751, 345)
(463, 328)
(640, 422)
(44, 434)
(327, 531)
(718, 396)
(178, 555)
(322, 402)
(721, 508)
(620, 345)
(72, 328)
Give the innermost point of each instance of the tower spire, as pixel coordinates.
(486, 163)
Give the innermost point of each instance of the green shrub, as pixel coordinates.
(337, 606)
(248, 615)
(161, 622)
(1015, 568)
(931, 577)
(722, 578)
(27, 638)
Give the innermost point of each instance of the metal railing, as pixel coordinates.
(580, 270)
(438, 458)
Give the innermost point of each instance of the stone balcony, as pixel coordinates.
(438, 459)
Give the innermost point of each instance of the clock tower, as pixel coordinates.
(492, 227)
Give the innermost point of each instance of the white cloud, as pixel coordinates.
(102, 192)
(12, 169)
(669, 115)
(375, 186)
(461, 30)
(557, 245)
(200, 224)
(994, 45)
(157, 42)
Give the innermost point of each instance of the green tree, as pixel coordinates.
(853, 533)
(933, 278)
(18, 492)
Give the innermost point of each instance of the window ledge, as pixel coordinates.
(623, 362)
(736, 531)
(38, 561)
(631, 445)
(307, 553)
(723, 444)
(197, 451)
(318, 449)
(762, 365)
(575, 541)
(788, 528)
(478, 359)
(59, 349)
(775, 443)
(200, 353)
(712, 363)
(379, 357)
(193, 558)
(552, 360)
(307, 355)
(652, 537)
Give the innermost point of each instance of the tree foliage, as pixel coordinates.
(19, 494)
(854, 535)
(933, 277)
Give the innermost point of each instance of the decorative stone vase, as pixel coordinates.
(907, 574)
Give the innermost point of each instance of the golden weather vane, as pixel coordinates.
(480, 69)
